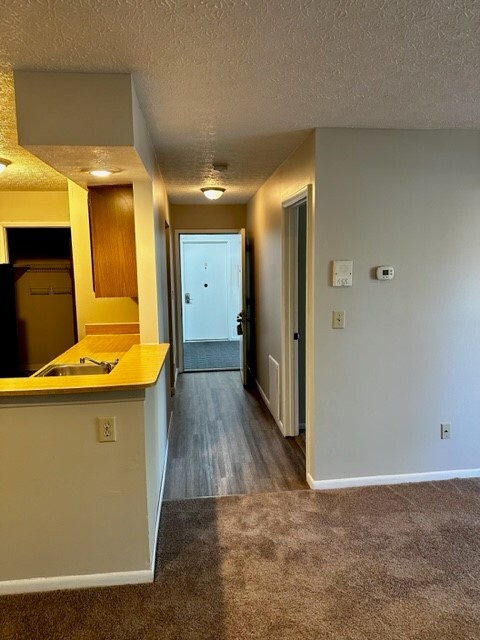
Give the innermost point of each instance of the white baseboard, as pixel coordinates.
(279, 423)
(32, 585)
(364, 481)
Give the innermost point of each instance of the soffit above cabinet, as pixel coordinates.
(83, 121)
(27, 172)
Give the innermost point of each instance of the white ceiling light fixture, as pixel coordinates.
(213, 193)
(101, 173)
(4, 164)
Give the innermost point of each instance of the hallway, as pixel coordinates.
(224, 441)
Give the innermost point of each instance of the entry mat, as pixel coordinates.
(212, 354)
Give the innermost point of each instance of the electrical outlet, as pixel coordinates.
(338, 319)
(445, 431)
(107, 430)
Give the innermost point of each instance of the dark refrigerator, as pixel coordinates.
(9, 360)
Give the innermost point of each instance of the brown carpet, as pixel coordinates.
(374, 563)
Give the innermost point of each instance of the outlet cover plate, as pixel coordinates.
(106, 429)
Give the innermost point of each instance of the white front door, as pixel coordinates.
(204, 271)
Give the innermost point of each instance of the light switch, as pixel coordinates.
(338, 319)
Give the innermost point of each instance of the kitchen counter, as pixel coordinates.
(76, 511)
(139, 367)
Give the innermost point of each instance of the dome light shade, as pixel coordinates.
(4, 164)
(100, 173)
(213, 193)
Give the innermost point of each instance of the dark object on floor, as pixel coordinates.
(208, 356)
(383, 563)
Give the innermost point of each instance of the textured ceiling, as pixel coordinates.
(242, 81)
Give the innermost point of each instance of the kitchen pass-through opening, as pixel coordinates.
(39, 296)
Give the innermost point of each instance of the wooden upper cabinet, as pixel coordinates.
(112, 232)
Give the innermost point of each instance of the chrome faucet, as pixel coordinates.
(103, 363)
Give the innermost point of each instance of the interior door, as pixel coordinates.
(204, 289)
(301, 316)
(242, 315)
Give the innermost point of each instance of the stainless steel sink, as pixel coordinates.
(76, 369)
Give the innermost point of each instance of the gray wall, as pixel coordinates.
(409, 357)
(264, 226)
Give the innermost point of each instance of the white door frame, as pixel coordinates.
(178, 281)
(289, 312)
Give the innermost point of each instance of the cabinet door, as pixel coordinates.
(112, 232)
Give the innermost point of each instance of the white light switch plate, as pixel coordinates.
(338, 319)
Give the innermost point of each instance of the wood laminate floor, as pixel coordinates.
(224, 441)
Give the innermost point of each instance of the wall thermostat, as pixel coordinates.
(385, 273)
(342, 273)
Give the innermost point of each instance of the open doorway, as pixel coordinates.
(301, 321)
(211, 300)
(295, 321)
(42, 294)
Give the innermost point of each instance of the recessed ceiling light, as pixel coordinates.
(4, 164)
(213, 193)
(101, 173)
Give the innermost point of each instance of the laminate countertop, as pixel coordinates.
(139, 367)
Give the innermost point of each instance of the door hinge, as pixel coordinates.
(296, 336)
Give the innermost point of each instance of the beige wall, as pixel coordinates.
(151, 212)
(163, 215)
(151, 215)
(72, 506)
(208, 216)
(265, 230)
(146, 232)
(91, 310)
(34, 207)
(409, 357)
